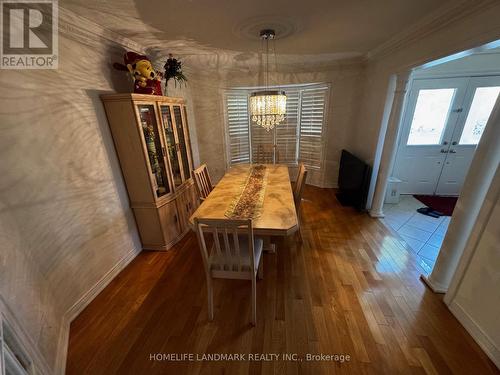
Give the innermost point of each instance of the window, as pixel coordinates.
(431, 114)
(479, 113)
(297, 139)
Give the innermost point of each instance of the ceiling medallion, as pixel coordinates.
(267, 107)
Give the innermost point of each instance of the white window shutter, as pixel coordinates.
(238, 137)
(312, 118)
(287, 132)
(298, 138)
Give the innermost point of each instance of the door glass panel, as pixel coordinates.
(182, 142)
(187, 131)
(430, 116)
(479, 113)
(154, 148)
(172, 150)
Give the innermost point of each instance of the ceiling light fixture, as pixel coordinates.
(267, 107)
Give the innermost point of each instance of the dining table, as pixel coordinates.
(268, 191)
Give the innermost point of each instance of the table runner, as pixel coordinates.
(247, 204)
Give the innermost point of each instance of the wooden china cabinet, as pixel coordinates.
(151, 139)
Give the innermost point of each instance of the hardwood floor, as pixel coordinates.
(350, 288)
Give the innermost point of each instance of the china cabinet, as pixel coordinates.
(151, 138)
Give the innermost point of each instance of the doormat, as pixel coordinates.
(445, 205)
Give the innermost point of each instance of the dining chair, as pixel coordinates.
(234, 254)
(267, 154)
(202, 181)
(298, 190)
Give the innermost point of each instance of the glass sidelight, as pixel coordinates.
(155, 150)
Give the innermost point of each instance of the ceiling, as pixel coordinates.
(344, 27)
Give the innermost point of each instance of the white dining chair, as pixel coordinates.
(202, 181)
(298, 190)
(234, 254)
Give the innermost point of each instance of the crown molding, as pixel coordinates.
(83, 30)
(448, 14)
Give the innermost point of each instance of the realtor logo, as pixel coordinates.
(28, 34)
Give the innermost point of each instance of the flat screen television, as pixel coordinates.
(354, 181)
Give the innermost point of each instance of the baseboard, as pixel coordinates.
(436, 288)
(376, 214)
(81, 304)
(476, 332)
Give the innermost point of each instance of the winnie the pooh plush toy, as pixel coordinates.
(146, 79)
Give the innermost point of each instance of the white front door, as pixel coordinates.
(443, 122)
(479, 100)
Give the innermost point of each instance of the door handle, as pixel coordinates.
(453, 152)
(443, 151)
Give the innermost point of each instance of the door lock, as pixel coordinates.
(443, 151)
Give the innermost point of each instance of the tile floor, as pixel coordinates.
(423, 234)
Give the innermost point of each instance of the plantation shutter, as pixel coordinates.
(298, 138)
(312, 113)
(286, 132)
(238, 137)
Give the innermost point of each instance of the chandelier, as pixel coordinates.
(267, 107)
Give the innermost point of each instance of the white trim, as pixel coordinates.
(417, 75)
(435, 287)
(81, 304)
(376, 214)
(481, 337)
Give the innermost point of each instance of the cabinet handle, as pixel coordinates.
(453, 152)
(443, 151)
(175, 218)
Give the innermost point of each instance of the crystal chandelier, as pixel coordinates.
(267, 107)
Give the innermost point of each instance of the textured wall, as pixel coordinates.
(64, 214)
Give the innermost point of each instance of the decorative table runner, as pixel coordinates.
(247, 204)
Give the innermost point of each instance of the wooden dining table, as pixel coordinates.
(277, 216)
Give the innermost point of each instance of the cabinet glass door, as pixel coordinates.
(168, 129)
(154, 149)
(182, 142)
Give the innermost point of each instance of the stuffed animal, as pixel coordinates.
(146, 79)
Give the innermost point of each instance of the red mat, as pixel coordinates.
(445, 205)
